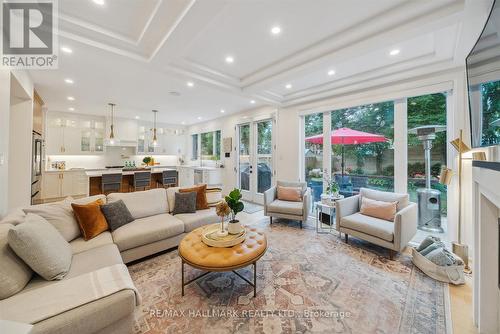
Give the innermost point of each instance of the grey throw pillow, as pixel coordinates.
(185, 203)
(117, 214)
(14, 273)
(42, 247)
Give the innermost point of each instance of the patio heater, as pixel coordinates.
(429, 200)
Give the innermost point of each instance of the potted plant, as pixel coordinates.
(236, 206)
(222, 210)
(147, 160)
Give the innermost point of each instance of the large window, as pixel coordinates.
(313, 153)
(194, 147)
(362, 150)
(426, 110)
(490, 100)
(209, 143)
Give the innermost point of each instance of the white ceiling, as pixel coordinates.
(134, 52)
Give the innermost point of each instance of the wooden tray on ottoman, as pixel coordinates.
(210, 238)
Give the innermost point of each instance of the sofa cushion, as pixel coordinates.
(84, 262)
(147, 230)
(185, 203)
(14, 273)
(171, 197)
(200, 218)
(60, 215)
(90, 218)
(14, 217)
(117, 214)
(214, 196)
(201, 195)
(80, 245)
(42, 247)
(292, 194)
(301, 185)
(402, 199)
(286, 207)
(376, 227)
(143, 203)
(378, 209)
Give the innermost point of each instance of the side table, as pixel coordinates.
(327, 209)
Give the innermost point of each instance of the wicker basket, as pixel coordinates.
(447, 274)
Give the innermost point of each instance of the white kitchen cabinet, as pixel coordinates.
(62, 184)
(73, 134)
(186, 176)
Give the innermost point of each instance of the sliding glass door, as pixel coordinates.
(255, 159)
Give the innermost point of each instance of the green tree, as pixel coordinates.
(490, 92)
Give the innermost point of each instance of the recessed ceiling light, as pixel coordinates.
(276, 30)
(137, 117)
(71, 109)
(288, 86)
(183, 122)
(252, 101)
(200, 118)
(229, 59)
(394, 52)
(99, 2)
(331, 72)
(245, 117)
(71, 98)
(222, 111)
(190, 84)
(69, 81)
(65, 49)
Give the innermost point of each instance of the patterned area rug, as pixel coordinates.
(307, 283)
(252, 207)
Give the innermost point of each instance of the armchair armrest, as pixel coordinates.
(346, 207)
(405, 226)
(306, 204)
(269, 197)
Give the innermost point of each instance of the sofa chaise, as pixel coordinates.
(154, 230)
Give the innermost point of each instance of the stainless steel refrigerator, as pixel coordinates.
(36, 168)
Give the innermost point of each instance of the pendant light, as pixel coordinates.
(155, 139)
(112, 140)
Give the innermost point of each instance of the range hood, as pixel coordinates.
(120, 143)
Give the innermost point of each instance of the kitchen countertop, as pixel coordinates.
(99, 173)
(114, 170)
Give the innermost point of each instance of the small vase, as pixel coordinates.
(234, 227)
(222, 232)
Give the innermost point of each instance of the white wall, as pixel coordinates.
(16, 111)
(227, 125)
(4, 138)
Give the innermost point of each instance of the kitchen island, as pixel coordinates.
(95, 178)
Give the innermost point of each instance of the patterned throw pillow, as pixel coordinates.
(201, 196)
(185, 203)
(117, 214)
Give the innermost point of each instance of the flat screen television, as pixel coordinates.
(483, 80)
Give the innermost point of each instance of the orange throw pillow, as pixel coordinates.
(201, 196)
(291, 194)
(378, 209)
(90, 219)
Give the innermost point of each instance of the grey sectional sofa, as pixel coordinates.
(153, 230)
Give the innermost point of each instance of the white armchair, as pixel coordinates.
(273, 207)
(393, 235)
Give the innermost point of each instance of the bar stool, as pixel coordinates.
(141, 180)
(168, 179)
(111, 183)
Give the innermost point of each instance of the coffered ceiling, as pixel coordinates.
(142, 54)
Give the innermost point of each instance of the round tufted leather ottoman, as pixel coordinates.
(194, 252)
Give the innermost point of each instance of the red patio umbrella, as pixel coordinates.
(346, 136)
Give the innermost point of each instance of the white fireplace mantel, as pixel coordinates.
(486, 213)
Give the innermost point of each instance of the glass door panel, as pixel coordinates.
(264, 155)
(313, 154)
(244, 163)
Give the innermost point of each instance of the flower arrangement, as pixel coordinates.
(332, 187)
(234, 203)
(222, 210)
